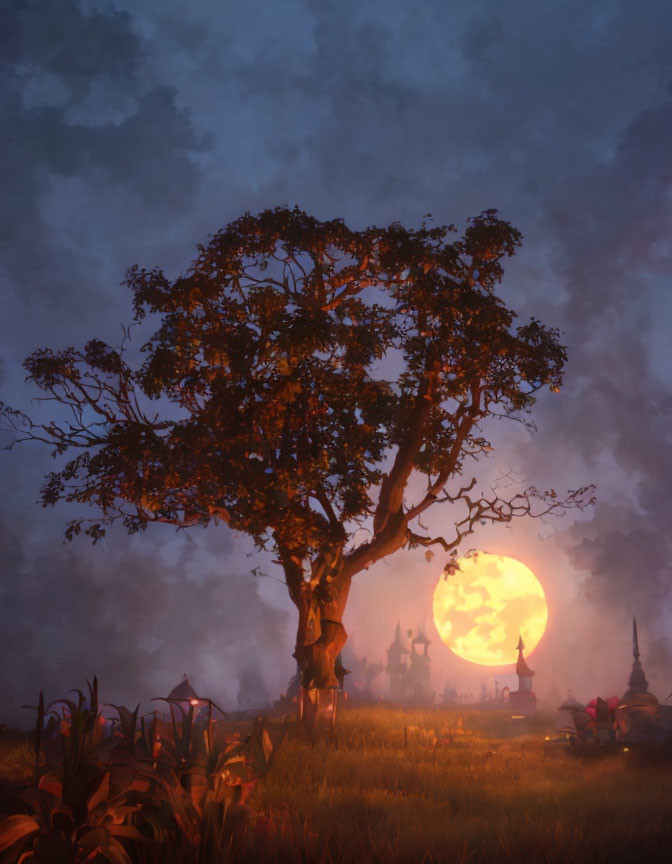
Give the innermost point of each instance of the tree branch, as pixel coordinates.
(499, 510)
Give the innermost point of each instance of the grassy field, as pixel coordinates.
(17, 762)
(442, 786)
(487, 794)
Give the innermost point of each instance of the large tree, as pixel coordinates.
(300, 375)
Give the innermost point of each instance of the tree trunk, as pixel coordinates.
(319, 685)
(318, 710)
(320, 656)
(320, 638)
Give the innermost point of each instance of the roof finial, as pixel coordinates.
(521, 645)
(635, 641)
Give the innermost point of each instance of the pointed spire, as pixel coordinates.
(522, 669)
(637, 682)
(399, 643)
(421, 638)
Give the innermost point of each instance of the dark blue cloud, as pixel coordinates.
(131, 130)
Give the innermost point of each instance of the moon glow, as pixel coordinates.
(481, 609)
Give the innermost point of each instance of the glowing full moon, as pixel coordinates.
(481, 609)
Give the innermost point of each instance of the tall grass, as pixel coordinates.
(446, 786)
(17, 757)
(479, 797)
(140, 796)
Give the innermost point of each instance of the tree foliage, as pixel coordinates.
(300, 373)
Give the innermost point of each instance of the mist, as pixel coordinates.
(131, 132)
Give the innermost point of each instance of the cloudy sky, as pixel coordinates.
(131, 130)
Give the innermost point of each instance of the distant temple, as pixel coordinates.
(410, 668)
(637, 682)
(523, 700)
(419, 677)
(638, 717)
(397, 664)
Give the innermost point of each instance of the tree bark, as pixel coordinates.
(316, 653)
(320, 656)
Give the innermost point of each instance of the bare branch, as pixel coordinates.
(531, 502)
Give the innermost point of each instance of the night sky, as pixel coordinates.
(133, 129)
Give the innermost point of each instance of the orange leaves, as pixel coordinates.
(271, 344)
(16, 828)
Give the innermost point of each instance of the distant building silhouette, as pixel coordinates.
(184, 692)
(523, 700)
(419, 674)
(637, 682)
(183, 697)
(397, 664)
(410, 669)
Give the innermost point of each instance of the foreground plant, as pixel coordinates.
(135, 797)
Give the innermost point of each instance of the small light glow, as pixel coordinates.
(626, 749)
(193, 702)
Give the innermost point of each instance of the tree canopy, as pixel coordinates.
(300, 373)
